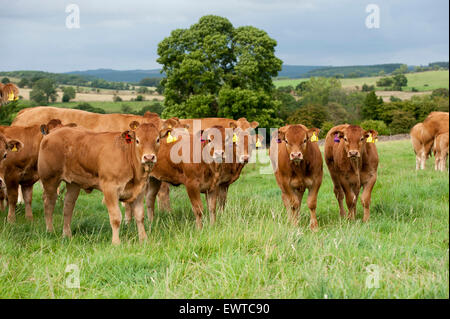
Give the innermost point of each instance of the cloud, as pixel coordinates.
(125, 34)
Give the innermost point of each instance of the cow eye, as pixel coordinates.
(304, 141)
(137, 141)
(4, 155)
(362, 138)
(157, 139)
(345, 139)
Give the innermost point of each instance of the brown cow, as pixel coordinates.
(19, 168)
(116, 163)
(242, 124)
(5, 146)
(352, 159)
(424, 134)
(422, 143)
(298, 165)
(198, 177)
(441, 151)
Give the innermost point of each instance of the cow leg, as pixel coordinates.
(115, 215)
(418, 161)
(292, 203)
(128, 212)
(27, 192)
(138, 211)
(12, 191)
(196, 202)
(423, 159)
(312, 205)
(50, 197)
(339, 193)
(211, 199)
(351, 199)
(366, 196)
(222, 196)
(153, 186)
(164, 197)
(70, 199)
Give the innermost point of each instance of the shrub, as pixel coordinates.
(139, 98)
(402, 121)
(326, 126)
(117, 98)
(378, 126)
(443, 92)
(89, 108)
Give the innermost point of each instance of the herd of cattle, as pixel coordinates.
(130, 158)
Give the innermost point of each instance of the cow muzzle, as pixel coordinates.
(353, 154)
(149, 159)
(218, 155)
(296, 156)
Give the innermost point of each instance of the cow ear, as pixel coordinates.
(44, 129)
(313, 131)
(14, 145)
(165, 132)
(254, 124)
(370, 132)
(282, 132)
(340, 134)
(232, 125)
(134, 125)
(128, 136)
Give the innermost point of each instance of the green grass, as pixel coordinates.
(422, 81)
(252, 251)
(109, 107)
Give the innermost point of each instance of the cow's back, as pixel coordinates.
(436, 123)
(92, 121)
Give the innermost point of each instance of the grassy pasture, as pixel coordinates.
(252, 251)
(422, 81)
(109, 107)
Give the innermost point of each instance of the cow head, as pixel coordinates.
(52, 125)
(146, 138)
(243, 142)
(243, 124)
(296, 138)
(355, 139)
(8, 145)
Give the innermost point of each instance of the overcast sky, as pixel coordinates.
(124, 35)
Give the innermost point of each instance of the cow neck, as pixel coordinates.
(136, 166)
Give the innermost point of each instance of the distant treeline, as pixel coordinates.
(354, 71)
(28, 78)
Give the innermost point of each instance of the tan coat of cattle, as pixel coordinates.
(353, 163)
(441, 150)
(19, 168)
(201, 177)
(423, 136)
(298, 166)
(205, 123)
(92, 121)
(116, 163)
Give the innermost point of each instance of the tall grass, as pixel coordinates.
(252, 251)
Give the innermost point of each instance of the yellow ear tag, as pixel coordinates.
(170, 138)
(14, 149)
(370, 139)
(235, 138)
(376, 139)
(258, 143)
(314, 137)
(11, 97)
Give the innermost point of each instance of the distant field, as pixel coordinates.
(109, 107)
(422, 81)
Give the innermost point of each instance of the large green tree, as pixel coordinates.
(43, 91)
(211, 65)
